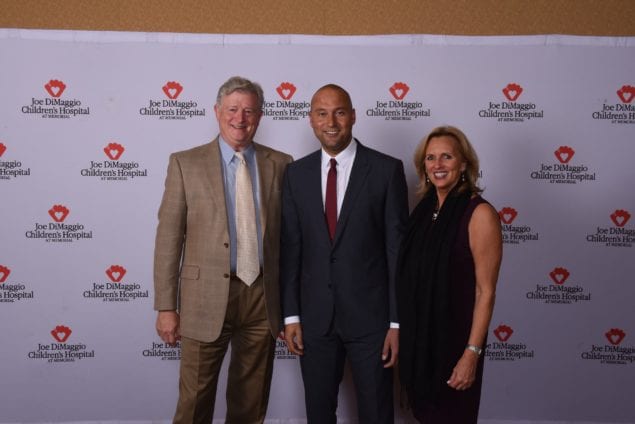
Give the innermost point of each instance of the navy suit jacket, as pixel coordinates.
(352, 280)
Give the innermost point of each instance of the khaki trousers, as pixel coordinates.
(250, 366)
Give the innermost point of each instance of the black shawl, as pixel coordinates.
(423, 294)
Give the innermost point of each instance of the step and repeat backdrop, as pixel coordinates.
(88, 120)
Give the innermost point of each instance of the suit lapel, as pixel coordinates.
(355, 183)
(311, 180)
(314, 191)
(214, 174)
(266, 171)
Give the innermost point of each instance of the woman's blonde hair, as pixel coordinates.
(467, 182)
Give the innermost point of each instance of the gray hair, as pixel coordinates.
(242, 85)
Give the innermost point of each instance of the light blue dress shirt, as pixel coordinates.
(230, 163)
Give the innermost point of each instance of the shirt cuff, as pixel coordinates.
(394, 325)
(292, 319)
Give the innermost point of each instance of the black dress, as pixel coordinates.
(454, 406)
(436, 304)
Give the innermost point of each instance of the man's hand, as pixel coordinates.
(293, 338)
(168, 327)
(390, 352)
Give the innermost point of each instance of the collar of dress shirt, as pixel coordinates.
(343, 158)
(228, 153)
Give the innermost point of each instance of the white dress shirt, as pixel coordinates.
(344, 160)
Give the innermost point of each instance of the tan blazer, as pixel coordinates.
(191, 257)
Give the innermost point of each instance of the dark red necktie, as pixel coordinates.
(330, 204)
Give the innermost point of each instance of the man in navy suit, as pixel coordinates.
(342, 222)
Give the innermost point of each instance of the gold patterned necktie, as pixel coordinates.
(247, 261)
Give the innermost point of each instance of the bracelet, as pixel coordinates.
(474, 349)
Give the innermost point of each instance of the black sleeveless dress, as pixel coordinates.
(453, 406)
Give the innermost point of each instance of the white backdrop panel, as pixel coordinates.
(76, 314)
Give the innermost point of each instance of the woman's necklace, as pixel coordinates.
(435, 213)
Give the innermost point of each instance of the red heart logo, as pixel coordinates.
(61, 333)
(507, 215)
(4, 273)
(286, 90)
(512, 91)
(503, 332)
(620, 217)
(615, 336)
(172, 89)
(399, 90)
(114, 150)
(559, 275)
(116, 273)
(55, 88)
(58, 213)
(626, 93)
(3, 148)
(564, 154)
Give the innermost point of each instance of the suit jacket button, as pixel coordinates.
(226, 245)
(330, 286)
(226, 275)
(333, 260)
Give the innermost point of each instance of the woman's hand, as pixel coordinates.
(464, 372)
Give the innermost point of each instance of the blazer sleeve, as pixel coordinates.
(290, 251)
(396, 216)
(169, 239)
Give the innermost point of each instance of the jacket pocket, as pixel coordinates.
(190, 272)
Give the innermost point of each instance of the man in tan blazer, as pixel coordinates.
(199, 253)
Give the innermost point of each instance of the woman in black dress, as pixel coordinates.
(449, 264)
